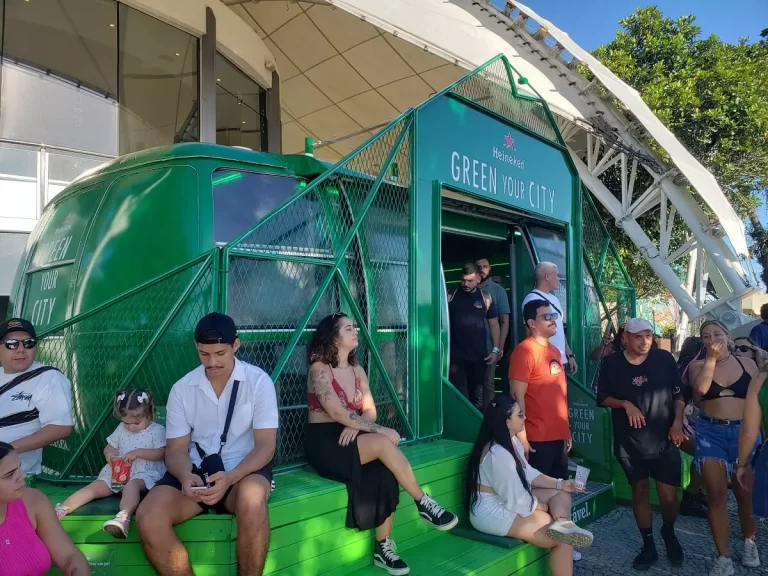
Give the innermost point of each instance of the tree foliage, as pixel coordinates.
(712, 95)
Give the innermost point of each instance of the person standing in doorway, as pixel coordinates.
(35, 400)
(468, 308)
(537, 381)
(642, 387)
(547, 281)
(501, 300)
(760, 332)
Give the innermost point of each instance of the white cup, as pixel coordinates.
(582, 474)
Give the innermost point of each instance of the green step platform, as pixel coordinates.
(307, 515)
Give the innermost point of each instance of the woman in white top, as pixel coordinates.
(508, 497)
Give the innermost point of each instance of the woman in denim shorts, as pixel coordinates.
(722, 380)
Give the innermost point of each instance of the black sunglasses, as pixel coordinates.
(13, 343)
(744, 348)
(549, 316)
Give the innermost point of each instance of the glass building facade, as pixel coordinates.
(83, 81)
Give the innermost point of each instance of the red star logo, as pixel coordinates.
(509, 141)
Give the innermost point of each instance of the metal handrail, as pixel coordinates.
(43, 146)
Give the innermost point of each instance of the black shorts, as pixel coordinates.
(550, 458)
(664, 468)
(169, 480)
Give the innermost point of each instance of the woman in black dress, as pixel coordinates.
(344, 443)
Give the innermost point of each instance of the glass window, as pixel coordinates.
(18, 184)
(59, 77)
(73, 39)
(157, 84)
(240, 108)
(550, 247)
(241, 199)
(63, 168)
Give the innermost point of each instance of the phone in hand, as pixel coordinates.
(199, 487)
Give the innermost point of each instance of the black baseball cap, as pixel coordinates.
(216, 328)
(17, 325)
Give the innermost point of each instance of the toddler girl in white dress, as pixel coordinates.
(140, 442)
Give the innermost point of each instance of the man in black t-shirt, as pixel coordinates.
(642, 387)
(468, 308)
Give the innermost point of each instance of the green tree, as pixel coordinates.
(712, 95)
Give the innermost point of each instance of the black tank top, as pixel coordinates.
(739, 388)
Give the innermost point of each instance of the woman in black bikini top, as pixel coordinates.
(722, 380)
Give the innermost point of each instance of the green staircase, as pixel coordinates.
(307, 515)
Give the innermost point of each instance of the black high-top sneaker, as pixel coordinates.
(385, 556)
(675, 553)
(438, 516)
(647, 558)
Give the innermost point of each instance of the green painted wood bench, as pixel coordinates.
(307, 515)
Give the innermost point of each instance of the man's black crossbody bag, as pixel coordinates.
(29, 415)
(212, 463)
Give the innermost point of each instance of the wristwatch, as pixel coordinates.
(495, 350)
(559, 484)
(738, 465)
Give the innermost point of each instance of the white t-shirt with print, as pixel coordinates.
(193, 407)
(123, 440)
(50, 393)
(559, 338)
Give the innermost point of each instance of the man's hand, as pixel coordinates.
(347, 436)
(493, 358)
(189, 480)
(636, 418)
(568, 443)
(676, 434)
(527, 448)
(572, 366)
(110, 452)
(220, 481)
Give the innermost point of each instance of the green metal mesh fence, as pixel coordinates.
(341, 244)
(140, 339)
(608, 291)
(493, 87)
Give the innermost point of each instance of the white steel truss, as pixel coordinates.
(605, 138)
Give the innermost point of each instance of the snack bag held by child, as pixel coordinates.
(135, 452)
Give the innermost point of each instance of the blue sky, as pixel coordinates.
(595, 22)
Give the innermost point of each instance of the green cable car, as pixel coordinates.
(127, 259)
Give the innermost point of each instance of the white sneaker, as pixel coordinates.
(722, 567)
(576, 555)
(750, 558)
(118, 526)
(569, 533)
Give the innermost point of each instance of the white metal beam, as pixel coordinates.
(638, 236)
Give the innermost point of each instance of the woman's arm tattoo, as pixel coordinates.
(320, 384)
(364, 423)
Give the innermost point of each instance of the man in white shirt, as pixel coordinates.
(196, 416)
(35, 400)
(547, 281)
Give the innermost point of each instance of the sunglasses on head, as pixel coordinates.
(549, 316)
(13, 343)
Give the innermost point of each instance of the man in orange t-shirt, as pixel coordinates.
(538, 383)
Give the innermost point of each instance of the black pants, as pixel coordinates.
(550, 458)
(469, 378)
